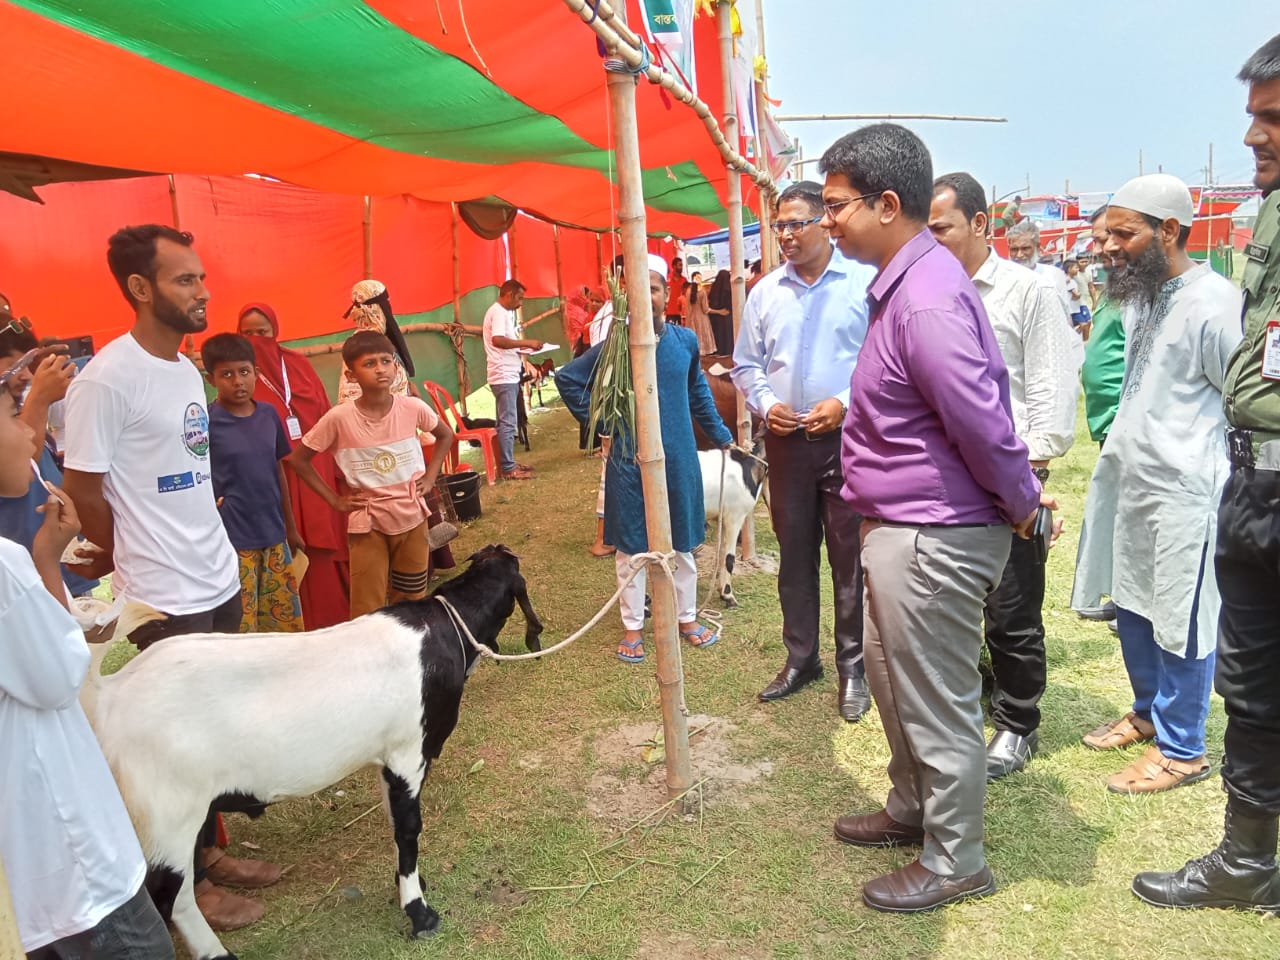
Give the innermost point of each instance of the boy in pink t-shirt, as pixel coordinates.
(374, 440)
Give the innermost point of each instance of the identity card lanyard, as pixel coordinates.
(291, 423)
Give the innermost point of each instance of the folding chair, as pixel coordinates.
(487, 437)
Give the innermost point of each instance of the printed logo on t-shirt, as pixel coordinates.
(195, 430)
(175, 481)
(384, 462)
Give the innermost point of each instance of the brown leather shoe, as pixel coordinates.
(224, 910)
(915, 888)
(1153, 772)
(1130, 728)
(877, 830)
(227, 871)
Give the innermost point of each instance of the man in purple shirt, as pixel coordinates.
(931, 460)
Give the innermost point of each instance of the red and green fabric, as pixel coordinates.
(441, 101)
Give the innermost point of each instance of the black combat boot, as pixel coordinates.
(1240, 872)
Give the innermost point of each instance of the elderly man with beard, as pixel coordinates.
(1023, 239)
(137, 469)
(1150, 516)
(1036, 343)
(801, 332)
(1241, 871)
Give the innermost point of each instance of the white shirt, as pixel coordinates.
(142, 421)
(68, 846)
(1150, 519)
(1059, 280)
(504, 362)
(798, 342)
(600, 324)
(1035, 340)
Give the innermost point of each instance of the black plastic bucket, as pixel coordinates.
(464, 494)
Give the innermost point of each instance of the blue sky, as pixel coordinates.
(1083, 91)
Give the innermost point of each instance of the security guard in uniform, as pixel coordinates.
(1241, 872)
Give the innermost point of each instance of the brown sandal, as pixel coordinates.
(1130, 728)
(1153, 772)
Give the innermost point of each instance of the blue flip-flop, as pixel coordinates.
(700, 632)
(632, 657)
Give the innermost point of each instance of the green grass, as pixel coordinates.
(757, 874)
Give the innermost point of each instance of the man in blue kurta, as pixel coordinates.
(682, 391)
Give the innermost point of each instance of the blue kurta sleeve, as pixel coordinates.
(702, 405)
(573, 381)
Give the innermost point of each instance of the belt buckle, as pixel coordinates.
(1240, 447)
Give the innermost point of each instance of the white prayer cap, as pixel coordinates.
(658, 265)
(1159, 195)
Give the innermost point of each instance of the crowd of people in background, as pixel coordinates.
(914, 389)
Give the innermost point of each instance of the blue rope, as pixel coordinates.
(595, 12)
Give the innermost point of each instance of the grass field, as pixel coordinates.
(545, 775)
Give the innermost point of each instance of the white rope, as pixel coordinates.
(664, 561)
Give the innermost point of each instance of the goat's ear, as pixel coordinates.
(503, 548)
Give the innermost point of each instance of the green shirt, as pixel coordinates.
(1251, 401)
(1102, 374)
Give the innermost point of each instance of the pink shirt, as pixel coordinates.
(381, 460)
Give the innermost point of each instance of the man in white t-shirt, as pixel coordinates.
(137, 469)
(503, 341)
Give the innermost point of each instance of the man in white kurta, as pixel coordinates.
(1150, 518)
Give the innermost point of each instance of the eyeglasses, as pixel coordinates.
(834, 208)
(15, 324)
(793, 226)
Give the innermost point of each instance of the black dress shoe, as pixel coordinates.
(789, 681)
(855, 698)
(915, 888)
(1008, 753)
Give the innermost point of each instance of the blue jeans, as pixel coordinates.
(1170, 691)
(506, 395)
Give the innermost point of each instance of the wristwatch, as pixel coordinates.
(1041, 474)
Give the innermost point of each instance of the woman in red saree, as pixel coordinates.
(288, 382)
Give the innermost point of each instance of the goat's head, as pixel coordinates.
(502, 559)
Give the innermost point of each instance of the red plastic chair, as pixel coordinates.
(487, 436)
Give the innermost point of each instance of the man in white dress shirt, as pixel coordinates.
(1034, 334)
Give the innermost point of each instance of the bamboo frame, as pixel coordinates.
(10, 940)
(737, 248)
(464, 379)
(564, 313)
(610, 26)
(768, 246)
(368, 237)
(322, 349)
(649, 452)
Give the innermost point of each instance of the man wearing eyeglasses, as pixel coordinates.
(801, 331)
(1035, 340)
(934, 465)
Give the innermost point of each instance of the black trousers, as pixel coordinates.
(1247, 561)
(224, 618)
(1015, 640)
(804, 491)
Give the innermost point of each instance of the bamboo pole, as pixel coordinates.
(802, 117)
(564, 313)
(768, 249)
(464, 381)
(10, 941)
(599, 258)
(610, 26)
(322, 349)
(189, 342)
(368, 237)
(737, 248)
(649, 453)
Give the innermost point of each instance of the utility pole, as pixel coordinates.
(1139, 161)
(1209, 180)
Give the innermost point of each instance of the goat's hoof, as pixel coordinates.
(730, 601)
(426, 922)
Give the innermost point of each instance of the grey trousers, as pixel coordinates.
(925, 588)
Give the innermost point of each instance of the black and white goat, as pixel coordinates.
(730, 504)
(240, 721)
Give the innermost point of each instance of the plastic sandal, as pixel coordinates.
(632, 657)
(693, 636)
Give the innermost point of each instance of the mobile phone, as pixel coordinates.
(1042, 533)
(79, 350)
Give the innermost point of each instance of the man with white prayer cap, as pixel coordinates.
(682, 392)
(1151, 515)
